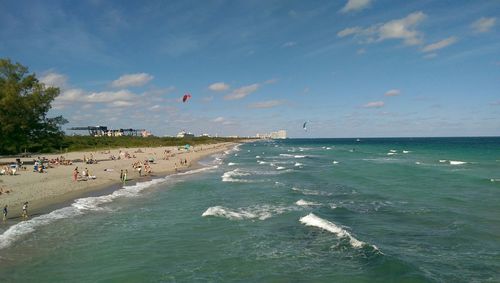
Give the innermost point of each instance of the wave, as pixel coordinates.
(81, 206)
(313, 220)
(231, 164)
(406, 151)
(261, 212)
(393, 150)
(442, 160)
(335, 162)
(302, 202)
(311, 192)
(230, 176)
(262, 162)
(257, 156)
(391, 153)
(292, 155)
(494, 180)
(453, 162)
(297, 164)
(280, 168)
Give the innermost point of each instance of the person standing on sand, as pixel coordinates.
(121, 175)
(24, 214)
(5, 211)
(75, 174)
(125, 176)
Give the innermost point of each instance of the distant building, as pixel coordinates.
(185, 134)
(281, 134)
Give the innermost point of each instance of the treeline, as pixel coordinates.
(80, 143)
(24, 103)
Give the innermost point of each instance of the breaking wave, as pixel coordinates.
(313, 220)
(260, 212)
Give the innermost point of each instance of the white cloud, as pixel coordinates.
(220, 86)
(128, 80)
(393, 92)
(271, 81)
(242, 92)
(355, 5)
(289, 44)
(121, 98)
(483, 24)
(374, 104)
(121, 103)
(219, 120)
(404, 29)
(155, 107)
(349, 31)
(440, 44)
(110, 96)
(266, 104)
(430, 55)
(54, 80)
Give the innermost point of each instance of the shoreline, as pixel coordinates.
(47, 192)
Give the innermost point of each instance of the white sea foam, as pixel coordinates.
(257, 156)
(328, 148)
(299, 156)
(313, 220)
(231, 176)
(262, 162)
(417, 162)
(297, 164)
(280, 168)
(286, 155)
(442, 160)
(393, 150)
(406, 151)
(231, 164)
(302, 202)
(391, 153)
(335, 162)
(311, 192)
(261, 212)
(453, 162)
(495, 180)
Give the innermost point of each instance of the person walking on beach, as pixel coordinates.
(24, 214)
(75, 174)
(125, 176)
(5, 211)
(121, 175)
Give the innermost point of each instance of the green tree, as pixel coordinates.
(24, 103)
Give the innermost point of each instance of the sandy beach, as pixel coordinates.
(56, 184)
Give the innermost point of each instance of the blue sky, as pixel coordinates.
(357, 68)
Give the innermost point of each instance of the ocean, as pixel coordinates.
(295, 210)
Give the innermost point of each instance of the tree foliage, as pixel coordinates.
(24, 103)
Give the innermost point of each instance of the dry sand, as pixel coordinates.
(55, 186)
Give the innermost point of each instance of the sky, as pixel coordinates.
(351, 68)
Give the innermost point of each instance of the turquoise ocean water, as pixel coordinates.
(317, 210)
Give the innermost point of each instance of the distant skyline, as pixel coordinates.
(357, 68)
